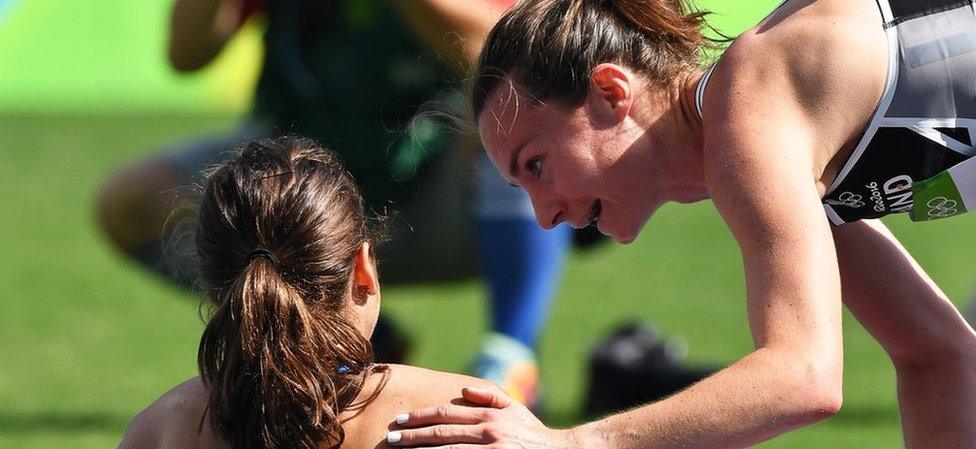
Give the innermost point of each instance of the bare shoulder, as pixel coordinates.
(820, 39)
(823, 62)
(400, 388)
(413, 387)
(175, 417)
(795, 92)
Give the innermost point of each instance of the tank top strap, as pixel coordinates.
(700, 90)
(703, 83)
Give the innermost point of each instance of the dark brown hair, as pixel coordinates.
(279, 229)
(550, 46)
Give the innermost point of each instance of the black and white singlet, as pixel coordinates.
(918, 145)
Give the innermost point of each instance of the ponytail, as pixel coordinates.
(673, 19)
(273, 366)
(279, 357)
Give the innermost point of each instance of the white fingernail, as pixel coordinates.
(402, 418)
(394, 437)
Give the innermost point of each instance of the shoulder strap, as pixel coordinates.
(700, 90)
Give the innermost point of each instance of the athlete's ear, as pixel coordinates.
(366, 279)
(612, 88)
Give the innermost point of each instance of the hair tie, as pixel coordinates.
(261, 252)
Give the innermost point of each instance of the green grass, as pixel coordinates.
(89, 339)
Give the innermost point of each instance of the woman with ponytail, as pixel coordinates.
(824, 116)
(286, 255)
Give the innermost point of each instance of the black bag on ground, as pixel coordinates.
(635, 366)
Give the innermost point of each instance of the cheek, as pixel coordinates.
(585, 180)
(540, 196)
(575, 170)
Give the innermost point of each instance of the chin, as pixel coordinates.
(693, 196)
(627, 232)
(623, 238)
(691, 199)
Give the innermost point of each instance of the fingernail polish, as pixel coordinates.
(402, 418)
(394, 437)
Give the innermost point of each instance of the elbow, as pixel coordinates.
(817, 393)
(181, 63)
(821, 405)
(183, 67)
(187, 57)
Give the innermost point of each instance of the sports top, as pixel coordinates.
(914, 155)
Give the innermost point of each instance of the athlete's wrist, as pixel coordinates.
(587, 436)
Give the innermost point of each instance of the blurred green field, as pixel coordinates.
(88, 339)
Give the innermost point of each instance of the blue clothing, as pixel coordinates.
(521, 261)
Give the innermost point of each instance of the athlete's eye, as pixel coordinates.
(534, 166)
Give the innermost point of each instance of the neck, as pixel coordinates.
(682, 147)
(685, 94)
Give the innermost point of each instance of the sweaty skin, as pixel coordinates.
(782, 112)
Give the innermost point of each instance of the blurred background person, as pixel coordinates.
(353, 74)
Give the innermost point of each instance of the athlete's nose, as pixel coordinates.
(548, 217)
(548, 213)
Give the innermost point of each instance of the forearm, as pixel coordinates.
(199, 29)
(891, 295)
(761, 396)
(454, 29)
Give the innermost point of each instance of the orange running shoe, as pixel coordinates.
(512, 366)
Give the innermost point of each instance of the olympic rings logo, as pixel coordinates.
(941, 207)
(847, 199)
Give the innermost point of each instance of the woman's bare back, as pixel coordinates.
(177, 419)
